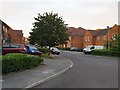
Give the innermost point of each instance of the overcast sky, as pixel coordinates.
(89, 14)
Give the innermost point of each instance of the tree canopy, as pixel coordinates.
(49, 30)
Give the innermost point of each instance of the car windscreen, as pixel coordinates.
(55, 49)
(88, 47)
(33, 48)
(6, 46)
(11, 46)
(92, 47)
(14, 46)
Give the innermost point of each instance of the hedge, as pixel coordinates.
(64, 48)
(44, 50)
(106, 52)
(18, 61)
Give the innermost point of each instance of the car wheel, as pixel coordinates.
(85, 52)
(58, 53)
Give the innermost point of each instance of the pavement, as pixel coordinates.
(33, 77)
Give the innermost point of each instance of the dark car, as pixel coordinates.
(31, 49)
(54, 50)
(13, 48)
(75, 49)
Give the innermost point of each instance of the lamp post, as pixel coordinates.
(108, 36)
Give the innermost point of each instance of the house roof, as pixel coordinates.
(93, 32)
(3, 23)
(76, 31)
(102, 32)
(70, 30)
(19, 32)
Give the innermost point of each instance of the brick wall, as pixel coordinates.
(77, 41)
(16, 38)
(115, 29)
(87, 39)
(10, 35)
(101, 40)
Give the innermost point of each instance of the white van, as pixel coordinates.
(88, 49)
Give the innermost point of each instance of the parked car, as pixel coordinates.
(31, 49)
(54, 50)
(13, 48)
(89, 49)
(75, 49)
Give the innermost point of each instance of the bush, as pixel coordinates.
(114, 52)
(63, 48)
(44, 50)
(17, 61)
(106, 52)
(100, 52)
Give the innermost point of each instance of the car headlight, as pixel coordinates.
(32, 51)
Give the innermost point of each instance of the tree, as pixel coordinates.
(108, 44)
(116, 45)
(116, 39)
(49, 30)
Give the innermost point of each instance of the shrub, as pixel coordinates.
(17, 61)
(44, 50)
(100, 52)
(63, 48)
(115, 52)
(106, 52)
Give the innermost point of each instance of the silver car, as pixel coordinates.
(54, 50)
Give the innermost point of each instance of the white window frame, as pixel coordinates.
(104, 37)
(98, 38)
(113, 36)
(88, 38)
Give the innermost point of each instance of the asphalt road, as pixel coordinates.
(87, 72)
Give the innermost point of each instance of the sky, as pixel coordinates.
(88, 14)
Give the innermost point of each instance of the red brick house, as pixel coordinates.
(11, 36)
(18, 36)
(69, 31)
(113, 31)
(76, 37)
(80, 37)
(89, 37)
(101, 37)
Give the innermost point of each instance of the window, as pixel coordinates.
(98, 38)
(3, 28)
(88, 38)
(113, 36)
(6, 30)
(104, 38)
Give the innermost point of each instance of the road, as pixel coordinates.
(87, 72)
